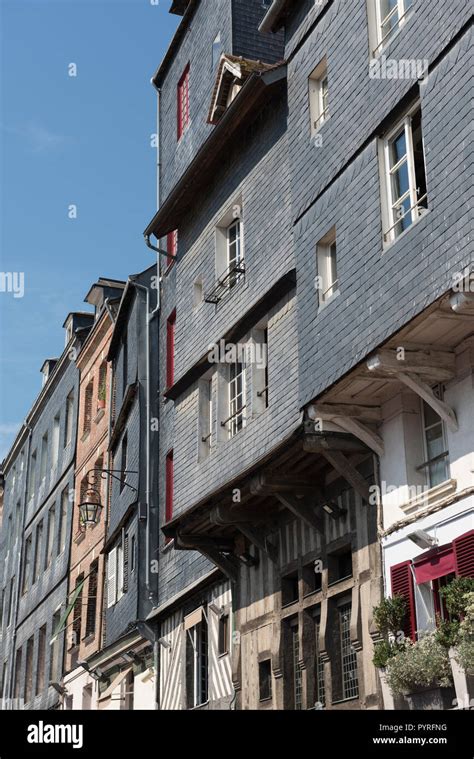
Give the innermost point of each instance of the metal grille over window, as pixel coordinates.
(298, 689)
(391, 14)
(235, 271)
(350, 682)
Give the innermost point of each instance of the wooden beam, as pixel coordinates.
(439, 365)
(267, 482)
(188, 541)
(302, 510)
(365, 434)
(226, 566)
(224, 514)
(425, 392)
(350, 410)
(348, 471)
(317, 442)
(258, 538)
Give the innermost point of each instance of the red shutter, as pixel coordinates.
(464, 554)
(183, 102)
(169, 486)
(170, 327)
(402, 585)
(171, 247)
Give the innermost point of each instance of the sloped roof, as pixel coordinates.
(232, 70)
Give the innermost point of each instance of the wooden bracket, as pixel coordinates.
(425, 392)
(257, 537)
(351, 422)
(302, 509)
(345, 468)
(439, 366)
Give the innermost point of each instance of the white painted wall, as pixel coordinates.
(75, 682)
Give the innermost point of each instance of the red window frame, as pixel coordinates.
(169, 486)
(172, 248)
(170, 342)
(183, 102)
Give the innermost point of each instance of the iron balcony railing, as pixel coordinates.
(225, 283)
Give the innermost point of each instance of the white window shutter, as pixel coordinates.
(112, 578)
(119, 550)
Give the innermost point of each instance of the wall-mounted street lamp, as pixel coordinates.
(91, 507)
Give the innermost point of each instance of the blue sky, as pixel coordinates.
(83, 141)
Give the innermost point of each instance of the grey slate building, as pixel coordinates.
(36, 532)
(132, 512)
(247, 482)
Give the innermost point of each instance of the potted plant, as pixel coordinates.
(457, 635)
(102, 395)
(389, 618)
(422, 672)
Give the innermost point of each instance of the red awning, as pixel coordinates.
(435, 563)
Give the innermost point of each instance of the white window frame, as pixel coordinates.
(112, 578)
(319, 96)
(403, 8)
(329, 286)
(238, 413)
(234, 261)
(415, 210)
(439, 392)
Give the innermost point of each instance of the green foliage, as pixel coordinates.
(455, 593)
(385, 650)
(447, 632)
(465, 647)
(422, 664)
(389, 616)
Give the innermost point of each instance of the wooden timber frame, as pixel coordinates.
(309, 500)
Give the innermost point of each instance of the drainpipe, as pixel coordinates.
(20, 564)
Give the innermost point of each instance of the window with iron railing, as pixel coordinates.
(390, 15)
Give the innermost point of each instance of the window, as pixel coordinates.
(123, 462)
(223, 635)
(312, 578)
(296, 667)
(41, 660)
(205, 416)
(198, 292)
(92, 599)
(235, 255)
(102, 386)
(350, 683)
(77, 614)
(55, 441)
(216, 50)
(32, 480)
(127, 688)
(69, 419)
(169, 495)
(318, 96)
(17, 690)
(170, 349)
(405, 176)
(26, 565)
(319, 664)
(328, 281)
(340, 565)
(132, 554)
(260, 369)
(390, 16)
(289, 589)
(38, 552)
(63, 520)
(196, 663)
(172, 248)
(88, 408)
(115, 574)
(44, 457)
(50, 536)
(183, 102)
(54, 670)
(436, 463)
(237, 400)
(265, 679)
(29, 670)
